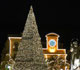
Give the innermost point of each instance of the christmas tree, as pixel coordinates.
(30, 55)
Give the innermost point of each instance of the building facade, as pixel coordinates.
(51, 50)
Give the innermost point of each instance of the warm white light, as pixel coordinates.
(46, 56)
(71, 50)
(52, 50)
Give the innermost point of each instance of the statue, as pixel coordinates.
(75, 55)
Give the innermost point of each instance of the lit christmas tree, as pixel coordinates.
(30, 55)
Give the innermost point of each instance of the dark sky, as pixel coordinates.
(63, 21)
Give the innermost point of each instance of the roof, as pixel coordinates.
(52, 34)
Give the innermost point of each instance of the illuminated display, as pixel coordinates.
(52, 43)
(50, 51)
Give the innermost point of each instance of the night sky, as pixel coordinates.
(63, 21)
